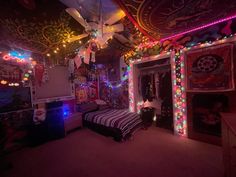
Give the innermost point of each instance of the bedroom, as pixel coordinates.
(117, 75)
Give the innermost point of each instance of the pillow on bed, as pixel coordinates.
(100, 102)
(103, 107)
(87, 107)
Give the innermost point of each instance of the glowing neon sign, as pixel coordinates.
(17, 56)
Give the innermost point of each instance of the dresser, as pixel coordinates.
(73, 121)
(229, 143)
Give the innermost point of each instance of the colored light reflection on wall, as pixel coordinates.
(120, 84)
(179, 94)
(131, 88)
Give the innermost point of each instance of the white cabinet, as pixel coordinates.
(229, 143)
(73, 121)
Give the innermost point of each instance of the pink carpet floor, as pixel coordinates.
(151, 153)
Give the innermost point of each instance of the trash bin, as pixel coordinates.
(147, 115)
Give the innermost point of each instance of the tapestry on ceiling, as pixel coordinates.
(210, 69)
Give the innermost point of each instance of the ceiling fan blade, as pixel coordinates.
(122, 39)
(103, 39)
(76, 15)
(115, 17)
(113, 28)
(75, 38)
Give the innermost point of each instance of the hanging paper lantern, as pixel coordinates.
(77, 60)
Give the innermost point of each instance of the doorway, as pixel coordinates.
(153, 89)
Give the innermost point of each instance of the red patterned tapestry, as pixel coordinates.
(210, 69)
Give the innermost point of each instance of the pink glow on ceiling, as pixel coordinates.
(200, 27)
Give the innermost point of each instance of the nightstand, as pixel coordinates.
(73, 121)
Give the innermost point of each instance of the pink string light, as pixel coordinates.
(200, 27)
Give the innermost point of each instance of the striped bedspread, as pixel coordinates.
(124, 120)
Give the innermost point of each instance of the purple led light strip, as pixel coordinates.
(199, 28)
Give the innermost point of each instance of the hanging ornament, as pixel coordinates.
(77, 60)
(39, 71)
(71, 64)
(45, 76)
(87, 55)
(93, 46)
(93, 57)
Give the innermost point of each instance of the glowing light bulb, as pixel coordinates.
(3, 82)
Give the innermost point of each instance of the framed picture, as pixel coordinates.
(210, 69)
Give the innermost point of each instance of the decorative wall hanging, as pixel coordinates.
(163, 18)
(210, 69)
(86, 91)
(39, 73)
(86, 85)
(220, 31)
(14, 74)
(206, 112)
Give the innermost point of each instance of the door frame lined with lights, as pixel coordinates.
(134, 104)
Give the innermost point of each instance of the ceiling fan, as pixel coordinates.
(102, 30)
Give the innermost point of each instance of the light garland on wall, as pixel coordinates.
(131, 89)
(149, 43)
(24, 81)
(179, 94)
(200, 27)
(122, 82)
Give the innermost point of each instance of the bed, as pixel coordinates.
(118, 123)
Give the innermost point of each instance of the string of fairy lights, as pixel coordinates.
(57, 49)
(179, 98)
(20, 75)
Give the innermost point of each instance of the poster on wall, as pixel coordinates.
(206, 112)
(86, 92)
(210, 69)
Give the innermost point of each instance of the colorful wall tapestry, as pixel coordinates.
(206, 109)
(210, 69)
(86, 92)
(86, 85)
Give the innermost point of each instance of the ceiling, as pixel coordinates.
(163, 18)
(39, 27)
(90, 9)
(42, 26)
